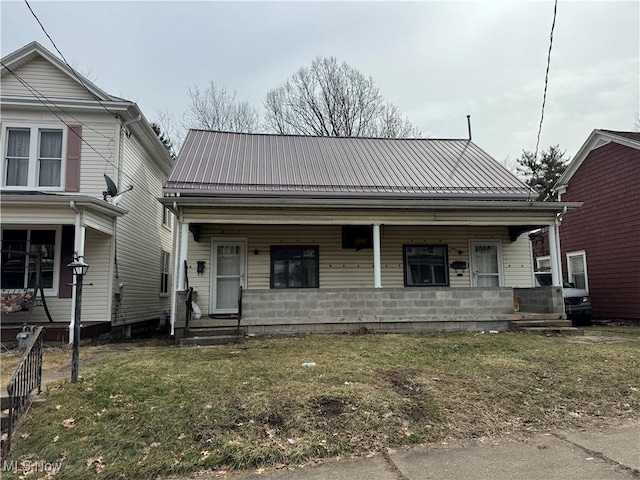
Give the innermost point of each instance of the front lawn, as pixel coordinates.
(161, 410)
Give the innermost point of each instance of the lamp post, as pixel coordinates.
(79, 269)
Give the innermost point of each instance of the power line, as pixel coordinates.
(40, 98)
(546, 78)
(31, 87)
(65, 60)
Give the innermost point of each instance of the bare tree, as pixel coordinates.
(215, 108)
(172, 127)
(332, 99)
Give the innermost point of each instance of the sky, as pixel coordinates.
(437, 61)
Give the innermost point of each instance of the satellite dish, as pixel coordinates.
(112, 190)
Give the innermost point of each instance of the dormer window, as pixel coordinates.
(33, 158)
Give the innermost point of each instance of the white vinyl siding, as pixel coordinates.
(345, 268)
(140, 237)
(95, 292)
(46, 79)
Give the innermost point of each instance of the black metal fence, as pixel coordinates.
(26, 378)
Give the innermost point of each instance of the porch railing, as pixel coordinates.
(239, 308)
(25, 379)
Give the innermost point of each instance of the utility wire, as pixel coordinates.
(546, 78)
(33, 89)
(41, 98)
(546, 85)
(98, 99)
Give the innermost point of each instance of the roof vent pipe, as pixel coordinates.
(469, 125)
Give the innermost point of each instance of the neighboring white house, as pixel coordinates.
(60, 135)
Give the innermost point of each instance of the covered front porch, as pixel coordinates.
(59, 228)
(337, 270)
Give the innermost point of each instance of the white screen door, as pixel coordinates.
(485, 264)
(227, 275)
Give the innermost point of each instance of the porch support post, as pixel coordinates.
(377, 271)
(174, 274)
(78, 247)
(554, 248)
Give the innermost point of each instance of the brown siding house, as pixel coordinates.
(600, 242)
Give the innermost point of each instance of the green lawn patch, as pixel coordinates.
(163, 410)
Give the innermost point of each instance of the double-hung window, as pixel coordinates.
(164, 273)
(294, 267)
(425, 265)
(19, 270)
(166, 217)
(33, 158)
(577, 269)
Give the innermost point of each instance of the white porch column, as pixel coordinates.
(174, 274)
(78, 248)
(377, 271)
(554, 249)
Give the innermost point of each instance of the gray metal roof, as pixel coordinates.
(223, 163)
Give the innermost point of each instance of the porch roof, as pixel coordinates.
(40, 199)
(252, 165)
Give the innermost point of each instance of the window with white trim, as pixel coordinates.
(33, 158)
(577, 269)
(19, 270)
(164, 272)
(543, 263)
(167, 217)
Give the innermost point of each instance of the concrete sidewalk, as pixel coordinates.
(590, 455)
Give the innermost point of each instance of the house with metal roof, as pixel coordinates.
(327, 234)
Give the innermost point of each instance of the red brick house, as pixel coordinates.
(600, 242)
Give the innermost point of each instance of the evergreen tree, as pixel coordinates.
(541, 173)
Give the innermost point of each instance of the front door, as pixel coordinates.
(227, 275)
(485, 264)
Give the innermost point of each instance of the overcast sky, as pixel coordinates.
(437, 61)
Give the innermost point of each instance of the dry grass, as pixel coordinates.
(53, 358)
(161, 410)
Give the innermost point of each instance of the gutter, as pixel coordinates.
(378, 203)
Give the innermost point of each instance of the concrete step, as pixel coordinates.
(553, 331)
(211, 331)
(206, 322)
(537, 316)
(541, 323)
(5, 401)
(215, 340)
